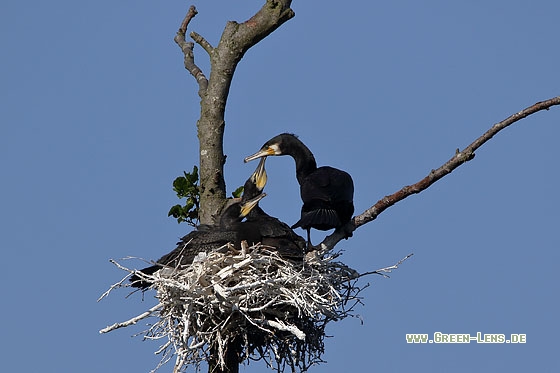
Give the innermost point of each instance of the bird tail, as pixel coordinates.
(138, 282)
(322, 219)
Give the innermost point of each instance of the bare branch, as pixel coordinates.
(190, 15)
(132, 321)
(202, 42)
(271, 16)
(187, 48)
(457, 160)
(384, 271)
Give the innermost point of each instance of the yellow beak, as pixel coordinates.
(250, 204)
(261, 153)
(259, 177)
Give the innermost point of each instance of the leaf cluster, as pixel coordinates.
(187, 187)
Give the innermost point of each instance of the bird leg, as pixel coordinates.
(309, 244)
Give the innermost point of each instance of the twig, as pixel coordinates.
(199, 39)
(118, 284)
(383, 271)
(132, 321)
(279, 325)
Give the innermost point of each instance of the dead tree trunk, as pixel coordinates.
(236, 39)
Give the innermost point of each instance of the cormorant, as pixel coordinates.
(258, 227)
(268, 230)
(327, 193)
(205, 240)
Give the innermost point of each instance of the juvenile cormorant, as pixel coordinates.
(205, 240)
(258, 227)
(268, 230)
(327, 193)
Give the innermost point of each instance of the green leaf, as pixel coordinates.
(175, 211)
(187, 187)
(238, 192)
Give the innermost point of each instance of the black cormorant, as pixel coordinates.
(327, 193)
(207, 239)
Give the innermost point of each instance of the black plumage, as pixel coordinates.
(327, 192)
(277, 235)
(206, 239)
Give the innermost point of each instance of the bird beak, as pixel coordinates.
(261, 153)
(259, 177)
(250, 204)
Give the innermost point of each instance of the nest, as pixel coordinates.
(252, 304)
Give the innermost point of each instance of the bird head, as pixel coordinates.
(248, 205)
(275, 146)
(266, 150)
(238, 209)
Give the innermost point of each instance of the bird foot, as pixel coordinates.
(347, 230)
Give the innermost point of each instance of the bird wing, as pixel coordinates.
(327, 184)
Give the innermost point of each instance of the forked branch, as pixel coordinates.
(187, 48)
(236, 39)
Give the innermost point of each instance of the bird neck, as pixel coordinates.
(305, 161)
(256, 213)
(230, 216)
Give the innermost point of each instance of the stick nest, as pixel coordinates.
(252, 302)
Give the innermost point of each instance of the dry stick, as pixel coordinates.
(457, 160)
(383, 271)
(132, 321)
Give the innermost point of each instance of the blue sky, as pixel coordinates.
(98, 117)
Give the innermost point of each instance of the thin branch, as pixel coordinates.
(202, 42)
(279, 325)
(190, 15)
(383, 271)
(132, 321)
(457, 160)
(187, 48)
